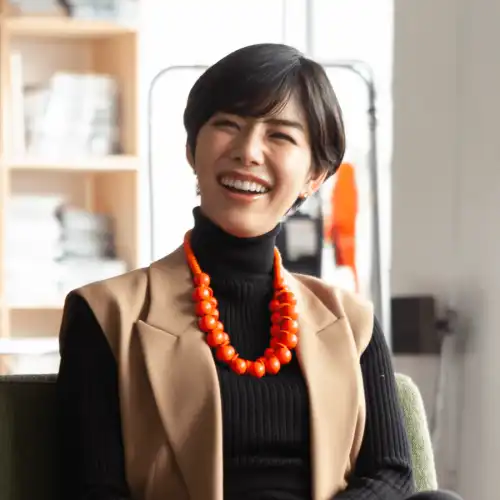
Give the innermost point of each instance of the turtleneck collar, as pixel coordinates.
(219, 252)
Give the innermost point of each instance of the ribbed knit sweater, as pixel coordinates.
(266, 434)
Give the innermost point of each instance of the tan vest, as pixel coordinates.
(169, 389)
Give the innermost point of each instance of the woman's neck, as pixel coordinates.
(219, 252)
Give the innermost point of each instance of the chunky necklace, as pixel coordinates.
(284, 325)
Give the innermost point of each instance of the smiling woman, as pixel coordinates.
(215, 374)
(267, 115)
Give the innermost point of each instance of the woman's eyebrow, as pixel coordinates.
(285, 123)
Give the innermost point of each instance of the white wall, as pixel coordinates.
(479, 242)
(423, 179)
(445, 196)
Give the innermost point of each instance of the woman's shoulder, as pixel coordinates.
(345, 305)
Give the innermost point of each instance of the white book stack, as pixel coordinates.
(89, 253)
(86, 235)
(33, 246)
(75, 116)
(51, 249)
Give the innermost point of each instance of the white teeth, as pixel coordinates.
(248, 186)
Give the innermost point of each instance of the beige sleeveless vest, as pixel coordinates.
(168, 384)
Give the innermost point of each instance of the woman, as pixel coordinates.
(171, 384)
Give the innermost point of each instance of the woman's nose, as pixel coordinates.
(249, 149)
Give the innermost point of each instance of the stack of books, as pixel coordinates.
(51, 249)
(86, 235)
(73, 115)
(33, 249)
(76, 115)
(88, 249)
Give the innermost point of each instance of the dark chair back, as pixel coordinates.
(29, 461)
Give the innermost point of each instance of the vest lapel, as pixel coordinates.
(183, 378)
(328, 358)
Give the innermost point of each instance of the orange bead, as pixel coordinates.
(207, 323)
(215, 314)
(275, 343)
(213, 301)
(288, 310)
(203, 307)
(226, 338)
(287, 298)
(202, 279)
(239, 366)
(284, 355)
(215, 338)
(274, 305)
(201, 293)
(273, 365)
(257, 369)
(275, 329)
(279, 292)
(225, 353)
(269, 352)
(290, 325)
(289, 339)
(276, 318)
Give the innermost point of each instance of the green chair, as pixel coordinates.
(28, 437)
(424, 468)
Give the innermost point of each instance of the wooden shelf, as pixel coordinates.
(46, 46)
(63, 27)
(36, 307)
(125, 163)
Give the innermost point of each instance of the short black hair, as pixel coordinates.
(257, 81)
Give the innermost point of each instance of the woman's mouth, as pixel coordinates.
(249, 186)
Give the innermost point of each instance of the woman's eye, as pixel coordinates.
(284, 137)
(226, 123)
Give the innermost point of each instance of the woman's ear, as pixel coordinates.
(313, 184)
(189, 156)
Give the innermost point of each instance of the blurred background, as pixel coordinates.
(93, 179)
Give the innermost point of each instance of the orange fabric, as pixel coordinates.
(341, 230)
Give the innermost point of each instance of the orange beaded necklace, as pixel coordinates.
(284, 325)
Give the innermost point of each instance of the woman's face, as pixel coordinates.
(251, 170)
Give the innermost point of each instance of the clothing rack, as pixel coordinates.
(379, 290)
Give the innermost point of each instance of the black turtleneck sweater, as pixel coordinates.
(265, 421)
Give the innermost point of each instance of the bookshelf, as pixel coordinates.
(95, 184)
